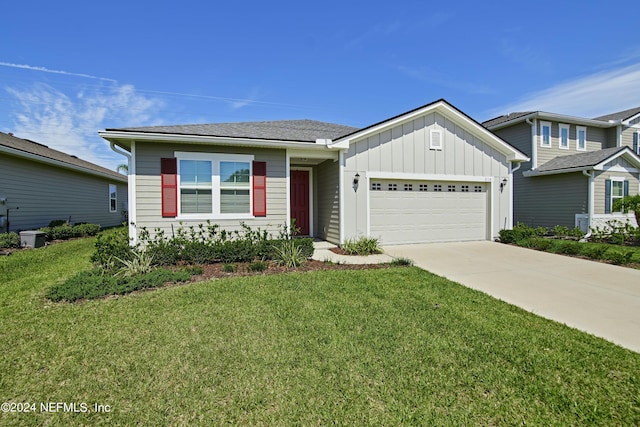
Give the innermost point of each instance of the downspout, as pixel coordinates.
(131, 189)
(590, 206)
(534, 146)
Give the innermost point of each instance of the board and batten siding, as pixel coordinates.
(148, 187)
(405, 149)
(564, 196)
(44, 193)
(327, 204)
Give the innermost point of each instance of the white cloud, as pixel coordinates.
(70, 123)
(590, 96)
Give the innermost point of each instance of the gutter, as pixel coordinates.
(320, 144)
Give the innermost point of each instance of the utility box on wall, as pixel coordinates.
(32, 239)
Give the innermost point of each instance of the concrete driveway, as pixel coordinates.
(601, 299)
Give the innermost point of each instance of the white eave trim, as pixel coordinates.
(58, 163)
(541, 115)
(115, 136)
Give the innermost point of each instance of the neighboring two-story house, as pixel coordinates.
(578, 166)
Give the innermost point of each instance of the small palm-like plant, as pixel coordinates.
(140, 263)
(288, 254)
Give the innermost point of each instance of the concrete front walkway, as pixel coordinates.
(601, 299)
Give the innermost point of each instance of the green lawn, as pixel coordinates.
(385, 347)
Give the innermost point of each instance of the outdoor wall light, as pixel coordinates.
(503, 183)
(356, 179)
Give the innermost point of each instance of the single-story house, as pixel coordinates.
(578, 167)
(432, 174)
(39, 184)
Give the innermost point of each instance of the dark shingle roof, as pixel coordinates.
(283, 130)
(581, 160)
(620, 115)
(501, 119)
(29, 147)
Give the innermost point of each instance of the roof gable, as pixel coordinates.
(447, 110)
(30, 149)
(623, 116)
(281, 130)
(589, 160)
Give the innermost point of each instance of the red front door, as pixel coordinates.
(300, 201)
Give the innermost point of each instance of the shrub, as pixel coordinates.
(57, 223)
(540, 244)
(402, 262)
(562, 231)
(164, 253)
(593, 250)
(289, 254)
(93, 284)
(617, 256)
(362, 246)
(229, 268)
(111, 245)
(306, 246)
(197, 252)
(520, 232)
(86, 230)
(258, 266)
(566, 247)
(9, 240)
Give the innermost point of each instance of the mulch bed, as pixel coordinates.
(215, 271)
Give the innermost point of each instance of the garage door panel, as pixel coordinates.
(428, 216)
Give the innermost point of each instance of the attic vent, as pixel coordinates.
(435, 139)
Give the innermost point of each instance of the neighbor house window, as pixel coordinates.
(564, 136)
(545, 134)
(113, 198)
(615, 189)
(214, 184)
(581, 138)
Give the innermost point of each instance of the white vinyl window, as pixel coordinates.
(564, 136)
(545, 134)
(617, 190)
(435, 139)
(214, 185)
(581, 138)
(113, 198)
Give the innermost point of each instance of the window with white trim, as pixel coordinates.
(477, 188)
(451, 188)
(435, 139)
(464, 188)
(437, 187)
(376, 186)
(424, 187)
(408, 187)
(113, 198)
(617, 191)
(563, 136)
(214, 185)
(581, 138)
(545, 134)
(393, 187)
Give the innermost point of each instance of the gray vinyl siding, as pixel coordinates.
(327, 201)
(45, 192)
(405, 149)
(596, 140)
(600, 184)
(550, 200)
(627, 136)
(148, 187)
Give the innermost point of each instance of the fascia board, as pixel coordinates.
(210, 140)
(542, 115)
(58, 163)
(627, 154)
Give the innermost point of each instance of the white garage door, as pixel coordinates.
(428, 211)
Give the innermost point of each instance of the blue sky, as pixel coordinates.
(71, 68)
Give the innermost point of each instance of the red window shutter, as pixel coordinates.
(259, 188)
(169, 178)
